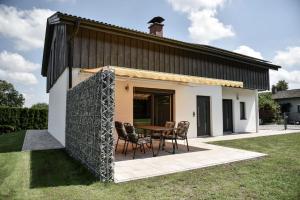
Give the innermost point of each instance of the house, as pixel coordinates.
(289, 101)
(157, 78)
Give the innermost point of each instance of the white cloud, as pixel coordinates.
(15, 68)
(25, 27)
(205, 26)
(292, 77)
(194, 5)
(15, 62)
(290, 58)
(248, 51)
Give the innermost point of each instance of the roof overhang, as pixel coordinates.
(162, 76)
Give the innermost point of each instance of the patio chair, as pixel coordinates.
(122, 134)
(180, 133)
(168, 124)
(137, 141)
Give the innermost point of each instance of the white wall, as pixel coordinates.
(57, 107)
(185, 102)
(249, 97)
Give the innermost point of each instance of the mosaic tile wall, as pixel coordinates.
(89, 123)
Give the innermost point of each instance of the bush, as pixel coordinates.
(24, 118)
(6, 129)
(269, 110)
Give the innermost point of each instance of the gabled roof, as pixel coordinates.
(59, 17)
(288, 94)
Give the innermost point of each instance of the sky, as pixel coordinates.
(268, 29)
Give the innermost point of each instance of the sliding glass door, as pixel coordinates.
(152, 106)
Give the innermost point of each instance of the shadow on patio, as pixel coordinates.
(119, 156)
(51, 168)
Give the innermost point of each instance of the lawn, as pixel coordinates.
(51, 174)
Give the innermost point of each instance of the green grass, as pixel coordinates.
(51, 174)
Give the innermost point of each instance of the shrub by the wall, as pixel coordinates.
(24, 118)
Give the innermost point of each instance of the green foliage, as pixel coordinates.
(52, 174)
(269, 109)
(9, 96)
(281, 85)
(24, 118)
(40, 106)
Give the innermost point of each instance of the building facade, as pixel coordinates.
(214, 89)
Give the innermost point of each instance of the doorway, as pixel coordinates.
(203, 115)
(227, 116)
(152, 106)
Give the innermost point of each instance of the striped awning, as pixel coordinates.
(153, 75)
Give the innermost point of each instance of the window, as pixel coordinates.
(242, 110)
(298, 108)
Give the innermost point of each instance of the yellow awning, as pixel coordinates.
(145, 74)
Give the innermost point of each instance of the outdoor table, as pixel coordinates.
(156, 129)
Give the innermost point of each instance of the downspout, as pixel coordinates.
(257, 111)
(71, 47)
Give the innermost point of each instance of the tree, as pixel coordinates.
(281, 85)
(9, 96)
(269, 109)
(40, 106)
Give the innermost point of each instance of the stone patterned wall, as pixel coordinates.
(89, 123)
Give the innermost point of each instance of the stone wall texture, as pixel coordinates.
(89, 123)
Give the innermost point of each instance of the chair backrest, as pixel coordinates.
(132, 135)
(120, 129)
(182, 128)
(169, 124)
(128, 128)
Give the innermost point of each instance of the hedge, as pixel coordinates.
(24, 118)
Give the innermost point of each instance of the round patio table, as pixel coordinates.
(157, 129)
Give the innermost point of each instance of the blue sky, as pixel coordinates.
(266, 29)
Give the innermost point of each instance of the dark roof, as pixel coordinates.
(288, 94)
(59, 17)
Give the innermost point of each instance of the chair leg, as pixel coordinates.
(187, 144)
(134, 150)
(151, 145)
(173, 144)
(117, 144)
(176, 144)
(126, 148)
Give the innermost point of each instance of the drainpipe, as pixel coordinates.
(257, 111)
(70, 51)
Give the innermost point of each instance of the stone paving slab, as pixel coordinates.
(40, 140)
(156, 166)
(235, 136)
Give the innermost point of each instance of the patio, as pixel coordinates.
(200, 155)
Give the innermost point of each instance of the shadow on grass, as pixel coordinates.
(12, 142)
(51, 168)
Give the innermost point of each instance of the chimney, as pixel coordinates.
(156, 26)
(274, 89)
